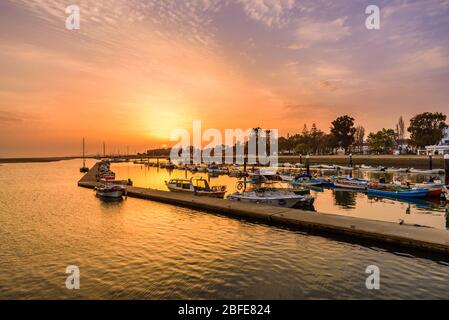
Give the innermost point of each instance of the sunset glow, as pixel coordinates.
(136, 70)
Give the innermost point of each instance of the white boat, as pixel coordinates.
(433, 171)
(299, 165)
(355, 184)
(287, 177)
(110, 191)
(343, 168)
(199, 187)
(403, 170)
(286, 199)
(326, 167)
(428, 185)
(370, 168)
(287, 165)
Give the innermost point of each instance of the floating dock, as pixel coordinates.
(412, 237)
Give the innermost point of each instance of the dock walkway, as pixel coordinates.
(421, 238)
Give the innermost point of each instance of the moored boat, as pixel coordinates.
(199, 187)
(277, 198)
(370, 168)
(433, 171)
(400, 193)
(355, 184)
(110, 191)
(399, 170)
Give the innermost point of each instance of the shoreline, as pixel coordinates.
(35, 160)
(404, 161)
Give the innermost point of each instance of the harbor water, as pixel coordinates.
(138, 249)
(423, 212)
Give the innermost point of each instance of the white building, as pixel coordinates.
(442, 148)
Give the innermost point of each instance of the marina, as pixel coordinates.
(402, 233)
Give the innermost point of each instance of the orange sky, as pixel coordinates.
(137, 70)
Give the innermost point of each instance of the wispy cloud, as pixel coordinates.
(311, 32)
(272, 13)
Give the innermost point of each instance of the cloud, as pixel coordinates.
(311, 33)
(272, 13)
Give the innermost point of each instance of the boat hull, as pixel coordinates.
(286, 203)
(110, 194)
(399, 194)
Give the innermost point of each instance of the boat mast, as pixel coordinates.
(84, 159)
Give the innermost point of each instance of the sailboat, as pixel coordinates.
(84, 169)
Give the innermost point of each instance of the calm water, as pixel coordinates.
(356, 204)
(146, 250)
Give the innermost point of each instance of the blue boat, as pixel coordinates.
(398, 193)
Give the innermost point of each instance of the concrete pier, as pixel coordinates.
(406, 236)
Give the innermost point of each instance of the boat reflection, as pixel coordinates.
(345, 198)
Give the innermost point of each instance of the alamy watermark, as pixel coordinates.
(257, 146)
(373, 20)
(72, 282)
(373, 280)
(73, 21)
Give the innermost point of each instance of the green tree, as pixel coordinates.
(343, 131)
(315, 139)
(382, 141)
(427, 129)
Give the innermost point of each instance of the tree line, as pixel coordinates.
(425, 129)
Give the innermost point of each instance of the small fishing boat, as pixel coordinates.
(325, 167)
(170, 166)
(106, 175)
(286, 199)
(110, 191)
(306, 180)
(198, 187)
(286, 177)
(355, 184)
(214, 169)
(433, 171)
(400, 193)
(370, 168)
(399, 170)
(344, 168)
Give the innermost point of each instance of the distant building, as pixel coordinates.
(441, 148)
(402, 147)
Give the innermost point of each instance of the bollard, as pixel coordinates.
(307, 165)
(430, 162)
(350, 160)
(446, 169)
